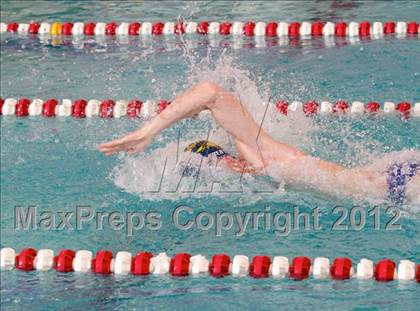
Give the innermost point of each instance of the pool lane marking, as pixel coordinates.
(220, 265)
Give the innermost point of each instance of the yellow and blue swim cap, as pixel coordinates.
(206, 148)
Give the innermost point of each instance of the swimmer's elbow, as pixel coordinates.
(209, 89)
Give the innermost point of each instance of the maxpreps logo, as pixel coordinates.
(30, 218)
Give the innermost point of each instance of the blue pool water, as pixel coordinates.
(54, 164)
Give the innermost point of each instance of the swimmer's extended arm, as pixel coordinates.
(254, 144)
(186, 105)
(257, 148)
(228, 113)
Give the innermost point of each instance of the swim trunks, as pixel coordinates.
(398, 176)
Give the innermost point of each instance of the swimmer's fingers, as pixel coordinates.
(114, 143)
(120, 148)
(131, 143)
(134, 137)
(117, 145)
(112, 149)
(130, 148)
(111, 152)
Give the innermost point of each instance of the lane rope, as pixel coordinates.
(220, 265)
(136, 108)
(248, 29)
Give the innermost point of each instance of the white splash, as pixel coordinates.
(171, 173)
(157, 174)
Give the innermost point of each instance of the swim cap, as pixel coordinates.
(206, 148)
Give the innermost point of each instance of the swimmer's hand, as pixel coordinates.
(240, 165)
(132, 143)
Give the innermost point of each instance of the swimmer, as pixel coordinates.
(259, 153)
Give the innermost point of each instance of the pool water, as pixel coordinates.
(54, 164)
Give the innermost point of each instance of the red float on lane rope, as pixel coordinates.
(384, 270)
(389, 27)
(260, 267)
(341, 269)
(300, 267)
(179, 28)
(224, 28)
(293, 30)
(134, 108)
(64, 261)
(78, 110)
(140, 264)
(22, 107)
(311, 108)
(316, 28)
(418, 273)
(372, 107)
(248, 29)
(203, 28)
(102, 262)
(271, 29)
(282, 107)
(33, 27)
(180, 265)
(89, 29)
(48, 108)
(219, 265)
(134, 29)
(413, 28)
(340, 29)
(106, 109)
(25, 260)
(110, 29)
(340, 107)
(157, 28)
(12, 27)
(66, 29)
(364, 29)
(404, 108)
(1, 106)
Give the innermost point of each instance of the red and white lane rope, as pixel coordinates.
(248, 29)
(82, 108)
(220, 265)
